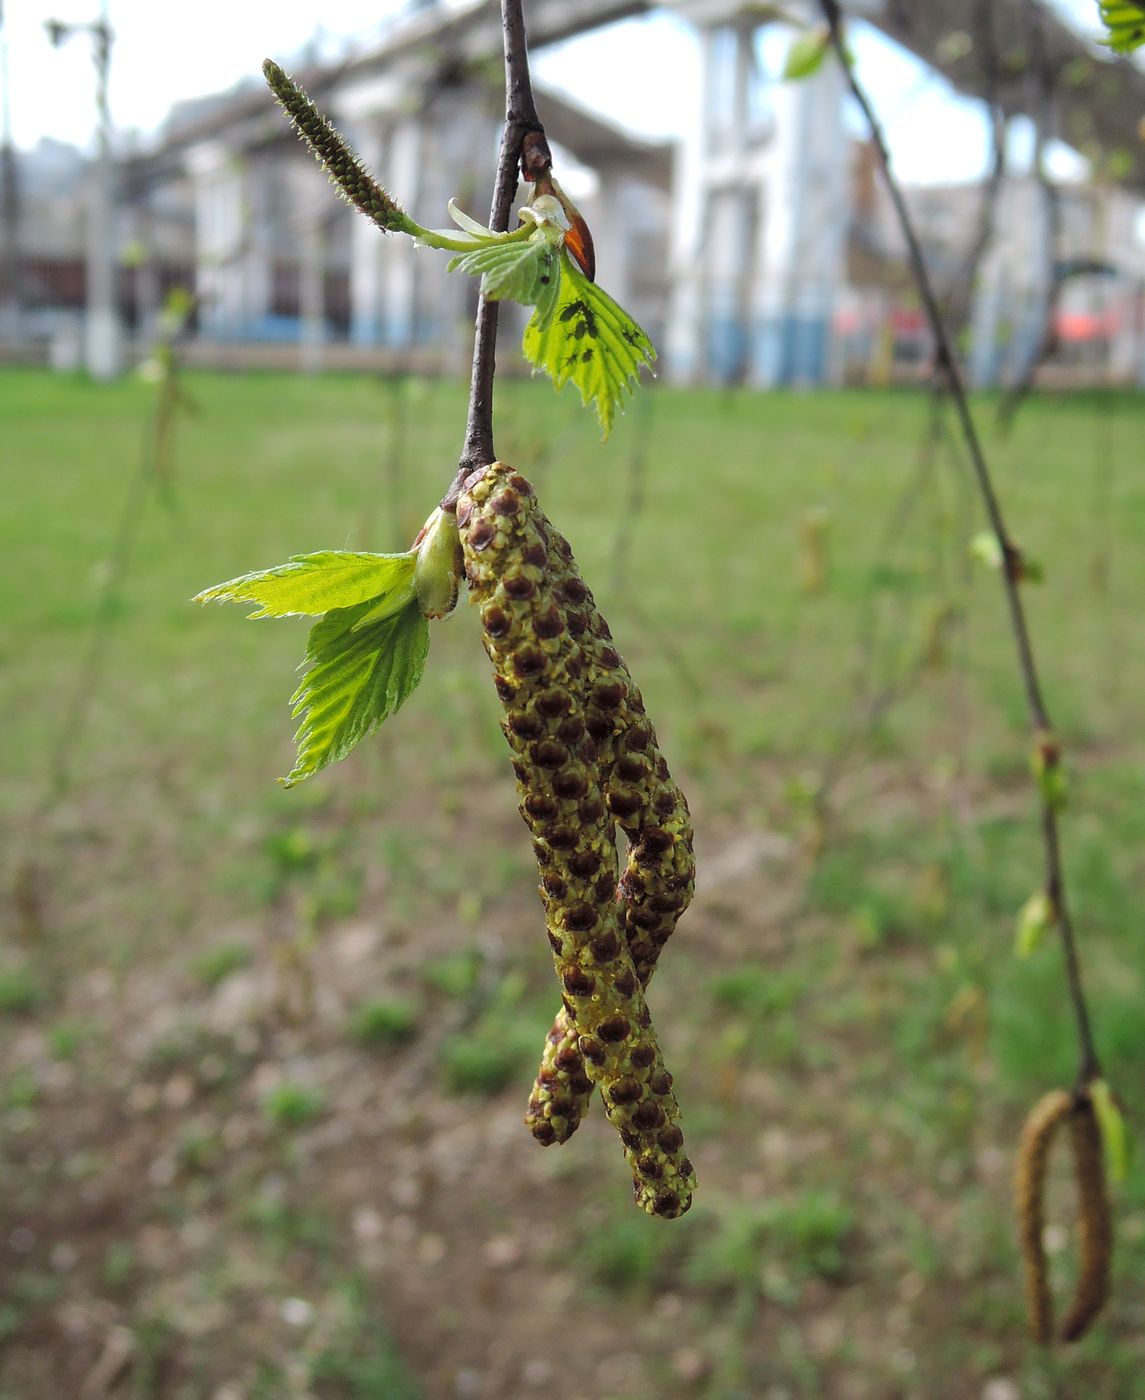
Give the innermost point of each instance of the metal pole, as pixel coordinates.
(11, 292)
(101, 347)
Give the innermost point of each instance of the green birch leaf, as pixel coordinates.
(357, 677)
(1116, 1143)
(511, 271)
(1125, 23)
(312, 584)
(806, 54)
(581, 334)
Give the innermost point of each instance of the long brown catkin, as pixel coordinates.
(659, 877)
(1034, 1146)
(538, 670)
(1095, 1224)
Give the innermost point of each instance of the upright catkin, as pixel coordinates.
(659, 877)
(1030, 1199)
(538, 673)
(1095, 1224)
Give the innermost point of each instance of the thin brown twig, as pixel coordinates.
(525, 152)
(1011, 571)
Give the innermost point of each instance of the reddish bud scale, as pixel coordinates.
(659, 878)
(538, 673)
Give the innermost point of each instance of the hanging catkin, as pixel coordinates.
(659, 877)
(1095, 1224)
(1034, 1146)
(539, 672)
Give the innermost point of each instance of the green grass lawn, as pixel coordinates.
(265, 1053)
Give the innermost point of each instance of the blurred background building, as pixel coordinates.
(761, 248)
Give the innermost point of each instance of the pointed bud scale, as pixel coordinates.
(438, 571)
(540, 670)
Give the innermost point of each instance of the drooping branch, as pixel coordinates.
(524, 151)
(1048, 753)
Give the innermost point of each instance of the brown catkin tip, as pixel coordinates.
(1095, 1224)
(538, 669)
(1030, 1200)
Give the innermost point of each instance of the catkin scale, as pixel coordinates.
(538, 669)
(659, 878)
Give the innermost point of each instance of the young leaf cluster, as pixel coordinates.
(1125, 23)
(364, 658)
(577, 332)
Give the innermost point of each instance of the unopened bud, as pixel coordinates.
(437, 574)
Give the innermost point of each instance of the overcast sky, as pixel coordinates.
(933, 133)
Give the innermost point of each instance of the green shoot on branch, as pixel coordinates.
(577, 331)
(365, 656)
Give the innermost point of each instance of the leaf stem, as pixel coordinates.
(435, 238)
(1089, 1065)
(524, 151)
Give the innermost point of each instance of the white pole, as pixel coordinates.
(10, 300)
(101, 332)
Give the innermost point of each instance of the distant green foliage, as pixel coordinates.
(807, 1234)
(756, 991)
(378, 1374)
(21, 1089)
(626, 1256)
(294, 851)
(217, 964)
(65, 1039)
(360, 1361)
(20, 992)
(478, 1064)
(455, 975)
(384, 1025)
(293, 1105)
